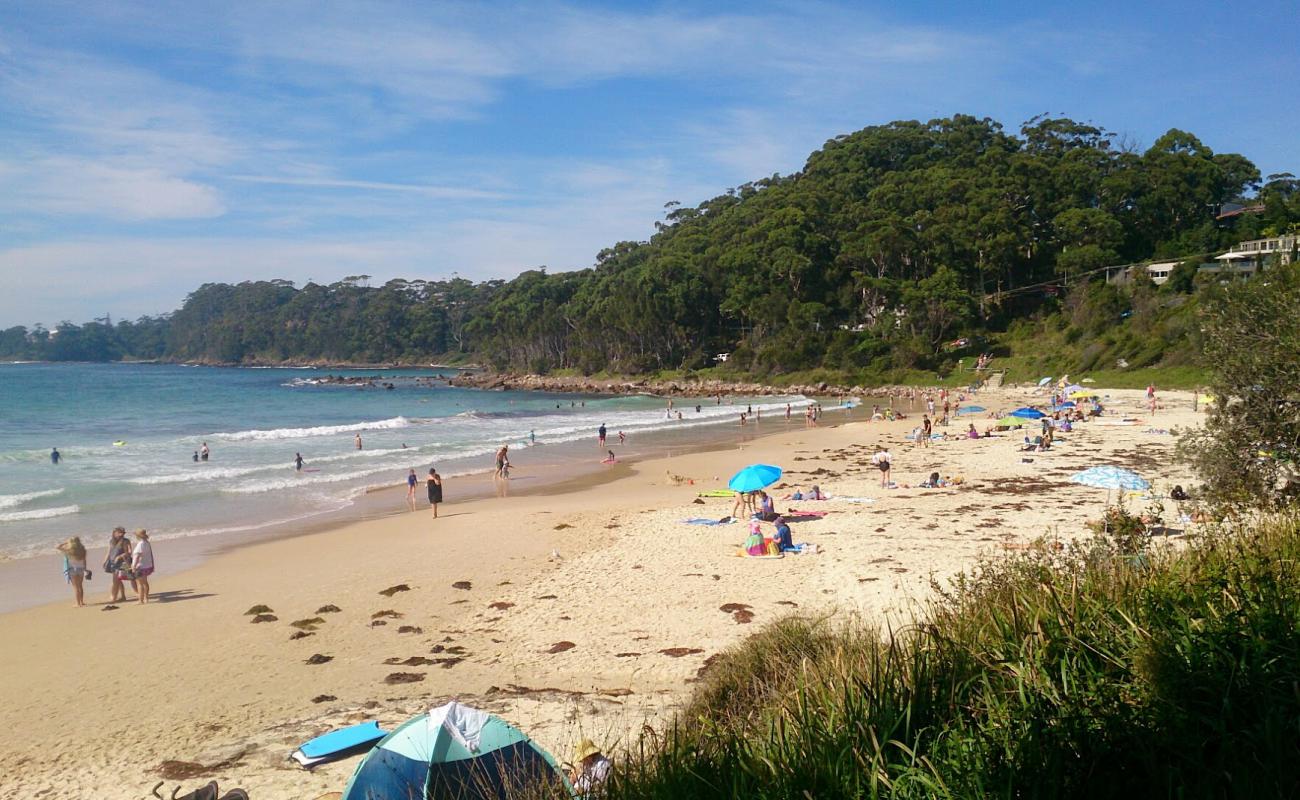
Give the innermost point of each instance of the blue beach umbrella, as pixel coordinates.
(1027, 413)
(1111, 478)
(970, 410)
(754, 477)
(1066, 404)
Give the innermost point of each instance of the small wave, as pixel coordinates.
(320, 430)
(11, 500)
(306, 481)
(200, 474)
(39, 513)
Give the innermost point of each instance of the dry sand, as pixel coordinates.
(584, 612)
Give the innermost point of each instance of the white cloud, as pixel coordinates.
(63, 186)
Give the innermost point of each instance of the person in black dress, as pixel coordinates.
(434, 484)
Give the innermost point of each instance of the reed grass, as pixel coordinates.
(1084, 672)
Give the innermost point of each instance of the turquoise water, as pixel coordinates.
(254, 421)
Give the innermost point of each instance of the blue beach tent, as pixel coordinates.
(452, 752)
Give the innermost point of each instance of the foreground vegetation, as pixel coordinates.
(889, 244)
(1091, 672)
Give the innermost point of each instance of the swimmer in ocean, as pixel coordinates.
(55, 456)
(297, 461)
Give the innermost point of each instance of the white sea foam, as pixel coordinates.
(11, 500)
(300, 481)
(39, 513)
(320, 430)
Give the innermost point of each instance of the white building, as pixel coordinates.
(1246, 258)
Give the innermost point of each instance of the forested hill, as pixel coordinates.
(889, 242)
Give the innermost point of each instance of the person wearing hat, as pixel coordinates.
(142, 564)
(590, 768)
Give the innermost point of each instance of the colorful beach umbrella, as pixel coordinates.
(754, 477)
(1082, 395)
(1012, 422)
(1111, 478)
(1027, 413)
(970, 410)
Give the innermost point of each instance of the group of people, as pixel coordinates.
(124, 563)
(433, 486)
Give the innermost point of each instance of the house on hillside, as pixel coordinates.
(1157, 271)
(1247, 258)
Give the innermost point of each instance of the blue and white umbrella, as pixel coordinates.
(971, 410)
(1045, 381)
(754, 477)
(1027, 413)
(1111, 478)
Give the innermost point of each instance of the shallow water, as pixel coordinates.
(128, 432)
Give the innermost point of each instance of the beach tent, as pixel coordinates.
(754, 477)
(453, 751)
(971, 410)
(1027, 413)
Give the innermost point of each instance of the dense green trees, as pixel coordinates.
(890, 241)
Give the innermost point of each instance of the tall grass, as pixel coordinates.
(1076, 673)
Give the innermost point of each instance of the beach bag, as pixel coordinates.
(771, 548)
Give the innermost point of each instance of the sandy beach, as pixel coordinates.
(584, 611)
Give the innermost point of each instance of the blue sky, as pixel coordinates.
(147, 148)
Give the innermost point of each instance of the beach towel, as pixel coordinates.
(797, 513)
(706, 521)
(717, 493)
(856, 499)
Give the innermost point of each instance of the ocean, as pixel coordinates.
(127, 434)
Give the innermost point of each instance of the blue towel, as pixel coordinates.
(704, 521)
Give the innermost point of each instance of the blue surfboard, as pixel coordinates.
(338, 744)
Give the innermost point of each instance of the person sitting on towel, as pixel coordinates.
(766, 508)
(784, 540)
(971, 433)
(754, 544)
(815, 493)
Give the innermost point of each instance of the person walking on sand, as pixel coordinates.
(142, 564)
(411, 481)
(503, 462)
(74, 567)
(883, 462)
(600, 435)
(434, 484)
(117, 565)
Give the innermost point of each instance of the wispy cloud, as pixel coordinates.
(445, 192)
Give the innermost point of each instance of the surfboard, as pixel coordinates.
(338, 744)
(120, 443)
(311, 469)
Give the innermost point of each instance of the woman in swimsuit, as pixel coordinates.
(434, 485)
(74, 567)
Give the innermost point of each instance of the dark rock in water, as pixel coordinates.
(300, 635)
(265, 618)
(323, 698)
(560, 647)
(392, 590)
(258, 609)
(319, 659)
(466, 585)
(329, 608)
(404, 677)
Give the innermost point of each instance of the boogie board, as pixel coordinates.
(338, 744)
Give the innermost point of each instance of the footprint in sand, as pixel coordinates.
(319, 659)
(329, 608)
(307, 624)
(258, 609)
(392, 590)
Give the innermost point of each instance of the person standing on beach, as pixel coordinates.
(622, 437)
(142, 564)
(55, 456)
(74, 567)
(927, 428)
(882, 459)
(503, 462)
(434, 484)
(600, 435)
(297, 461)
(358, 440)
(117, 565)
(203, 452)
(411, 481)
